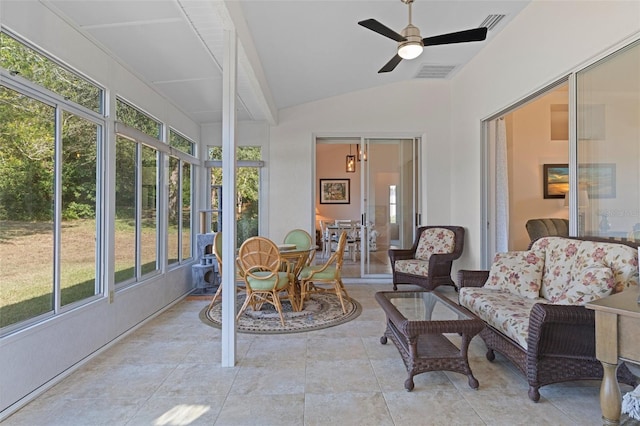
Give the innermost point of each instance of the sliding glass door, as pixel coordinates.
(608, 145)
(389, 200)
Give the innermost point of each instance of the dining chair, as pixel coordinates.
(315, 278)
(303, 241)
(217, 252)
(352, 228)
(266, 276)
(326, 237)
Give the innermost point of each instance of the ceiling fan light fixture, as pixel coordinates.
(410, 50)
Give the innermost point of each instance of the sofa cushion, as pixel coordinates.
(412, 266)
(435, 240)
(506, 312)
(518, 272)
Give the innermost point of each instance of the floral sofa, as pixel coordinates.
(428, 262)
(533, 305)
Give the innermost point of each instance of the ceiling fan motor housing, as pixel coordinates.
(412, 45)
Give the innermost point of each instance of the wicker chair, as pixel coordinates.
(266, 276)
(436, 270)
(302, 240)
(560, 343)
(217, 252)
(312, 278)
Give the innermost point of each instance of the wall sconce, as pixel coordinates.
(362, 154)
(351, 162)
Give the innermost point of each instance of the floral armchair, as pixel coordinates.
(428, 263)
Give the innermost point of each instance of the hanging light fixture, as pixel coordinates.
(362, 154)
(351, 162)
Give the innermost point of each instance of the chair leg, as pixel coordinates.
(245, 305)
(215, 296)
(278, 305)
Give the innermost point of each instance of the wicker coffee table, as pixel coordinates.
(416, 323)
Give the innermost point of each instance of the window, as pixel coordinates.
(20, 60)
(392, 204)
(248, 191)
(50, 155)
(178, 141)
(137, 229)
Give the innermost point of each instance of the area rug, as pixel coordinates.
(320, 311)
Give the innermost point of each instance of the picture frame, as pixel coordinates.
(335, 191)
(555, 180)
(599, 179)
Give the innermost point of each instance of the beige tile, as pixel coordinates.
(198, 379)
(340, 376)
(270, 377)
(362, 408)
(431, 407)
(179, 411)
(257, 410)
(325, 348)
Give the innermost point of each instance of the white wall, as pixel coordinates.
(375, 112)
(545, 41)
(33, 356)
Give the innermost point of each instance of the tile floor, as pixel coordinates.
(168, 373)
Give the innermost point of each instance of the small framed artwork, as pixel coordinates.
(555, 180)
(335, 191)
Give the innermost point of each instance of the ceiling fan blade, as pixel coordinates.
(381, 29)
(390, 66)
(476, 34)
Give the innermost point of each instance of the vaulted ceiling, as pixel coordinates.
(290, 52)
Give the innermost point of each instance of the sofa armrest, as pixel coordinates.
(561, 330)
(467, 278)
(400, 254)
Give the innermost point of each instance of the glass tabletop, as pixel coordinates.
(425, 306)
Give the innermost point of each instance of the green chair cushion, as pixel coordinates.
(268, 283)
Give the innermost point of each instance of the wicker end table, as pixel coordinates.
(417, 322)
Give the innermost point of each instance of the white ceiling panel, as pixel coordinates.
(195, 95)
(159, 52)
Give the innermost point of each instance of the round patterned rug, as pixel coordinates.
(320, 311)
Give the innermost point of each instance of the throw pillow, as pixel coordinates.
(589, 284)
(518, 272)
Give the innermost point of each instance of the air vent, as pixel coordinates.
(491, 21)
(435, 71)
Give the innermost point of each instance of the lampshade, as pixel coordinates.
(583, 199)
(410, 50)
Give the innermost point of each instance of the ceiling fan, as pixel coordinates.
(410, 43)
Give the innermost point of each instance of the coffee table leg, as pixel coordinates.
(383, 340)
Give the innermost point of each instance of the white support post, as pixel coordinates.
(229, 89)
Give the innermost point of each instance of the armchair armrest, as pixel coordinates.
(561, 330)
(400, 254)
(467, 278)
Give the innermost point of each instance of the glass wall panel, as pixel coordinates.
(26, 207)
(149, 208)
(608, 145)
(186, 211)
(133, 117)
(125, 221)
(21, 60)
(173, 211)
(78, 229)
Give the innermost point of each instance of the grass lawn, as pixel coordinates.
(26, 264)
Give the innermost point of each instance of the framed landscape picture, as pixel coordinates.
(599, 179)
(555, 180)
(334, 191)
